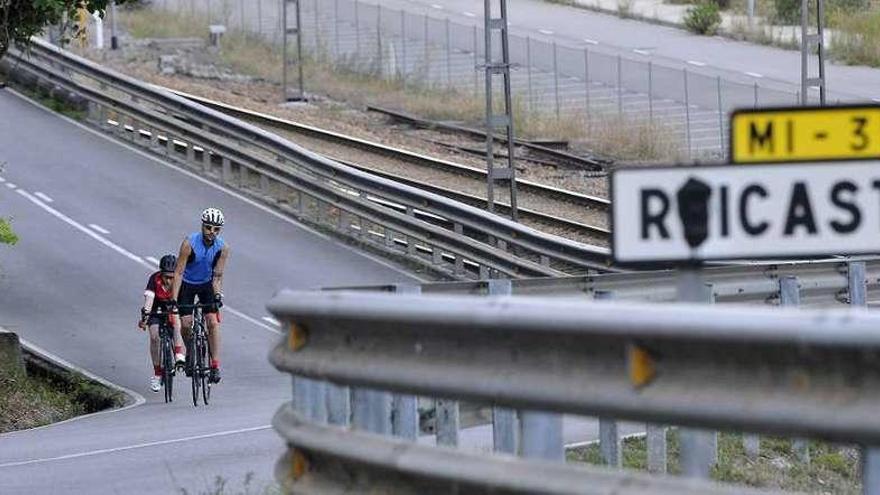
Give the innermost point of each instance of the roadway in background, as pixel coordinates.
(75, 291)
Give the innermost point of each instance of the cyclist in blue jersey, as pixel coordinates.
(199, 274)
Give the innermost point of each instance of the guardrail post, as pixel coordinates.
(504, 421)
(227, 171)
(447, 422)
(206, 161)
(698, 446)
(542, 436)
(371, 410)
(609, 439)
(857, 288)
(656, 439)
(338, 405)
(405, 410)
(790, 296)
(308, 398)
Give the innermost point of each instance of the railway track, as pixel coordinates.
(569, 214)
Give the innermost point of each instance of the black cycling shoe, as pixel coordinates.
(187, 366)
(214, 375)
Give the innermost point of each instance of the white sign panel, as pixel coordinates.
(680, 214)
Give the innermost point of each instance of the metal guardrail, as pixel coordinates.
(805, 373)
(425, 229)
(821, 283)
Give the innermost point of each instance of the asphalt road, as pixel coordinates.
(89, 213)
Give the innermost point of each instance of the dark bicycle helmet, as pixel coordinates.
(168, 263)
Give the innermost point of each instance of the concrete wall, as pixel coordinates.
(11, 360)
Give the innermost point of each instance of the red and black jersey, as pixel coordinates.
(154, 283)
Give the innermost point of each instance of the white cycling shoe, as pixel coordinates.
(155, 383)
(179, 360)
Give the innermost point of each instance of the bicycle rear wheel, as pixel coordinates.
(167, 369)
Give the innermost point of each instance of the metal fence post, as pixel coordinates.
(448, 57)
(427, 60)
(619, 88)
(610, 446)
(504, 421)
(336, 30)
(587, 86)
(687, 112)
(698, 446)
(357, 33)
(379, 68)
(403, 43)
(319, 48)
(529, 71)
(720, 117)
(556, 79)
(260, 17)
(856, 284)
(650, 92)
(405, 408)
(447, 422)
(476, 64)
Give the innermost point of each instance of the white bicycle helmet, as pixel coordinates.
(212, 216)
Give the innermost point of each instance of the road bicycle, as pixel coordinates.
(166, 354)
(197, 355)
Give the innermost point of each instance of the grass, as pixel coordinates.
(833, 469)
(249, 486)
(857, 37)
(358, 85)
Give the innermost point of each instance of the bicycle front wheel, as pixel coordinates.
(194, 365)
(205, 370)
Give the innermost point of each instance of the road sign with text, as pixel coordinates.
(689, 214)
(805, 134)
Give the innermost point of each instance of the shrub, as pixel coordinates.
(786, 11)
(703, 18)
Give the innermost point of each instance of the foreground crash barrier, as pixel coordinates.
(785, 372)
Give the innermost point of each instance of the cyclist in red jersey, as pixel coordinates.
(157, 298)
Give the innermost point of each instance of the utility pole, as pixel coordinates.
(292, 33)
(503, 175)
(808, 41)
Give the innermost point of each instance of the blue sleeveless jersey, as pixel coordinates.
(200, 269)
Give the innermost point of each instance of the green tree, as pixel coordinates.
(21, 19)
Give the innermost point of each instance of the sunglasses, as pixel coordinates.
(211, 228)
(168, 276)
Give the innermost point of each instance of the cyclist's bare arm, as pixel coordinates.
(148, 304)
(182, 256)
(219, 269)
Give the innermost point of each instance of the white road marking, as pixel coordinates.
(545, 31)
(10, 185)
(80, 227)
(192, 175)
(152, 260)
(2, 180)
(44, 197)
(135, 446)
(754, 74)
(97, 228)
(469, 14)
(641, 52)
(697, 63)
(272, 321)
(590, 42)
(436, 6)
(128, 254)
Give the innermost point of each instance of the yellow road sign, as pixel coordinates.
(805, 134)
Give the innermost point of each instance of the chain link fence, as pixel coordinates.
(586, 83)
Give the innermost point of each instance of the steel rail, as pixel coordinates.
(377, 464)
(822, 283)
(588, 201)
(807, 373)
(277, 161)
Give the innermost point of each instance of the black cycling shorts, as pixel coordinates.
(189, 293)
